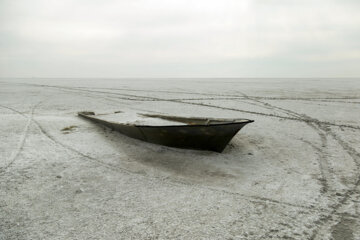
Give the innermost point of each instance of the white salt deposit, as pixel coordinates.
(292, 174)
(134, 118)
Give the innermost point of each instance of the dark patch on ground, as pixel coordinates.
(68, 129)
(342, 230)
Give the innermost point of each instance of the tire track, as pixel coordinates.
(113, 167)
(254, 199)
(326, 216)
(144, 98)
(100, 92)
(275, 116)
(326, 131)
(24, 135)
(54, 140)
(325, 219)
(325, 99)
(174, 182)
(325, 171)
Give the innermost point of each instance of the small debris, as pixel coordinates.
(78, 191)
(69, 129)
(250, 154)
(58, 176)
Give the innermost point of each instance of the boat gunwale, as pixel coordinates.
(244, 121)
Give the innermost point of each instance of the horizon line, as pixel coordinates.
(178, 77)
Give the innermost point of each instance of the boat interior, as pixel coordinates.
(195, 121)
(183, 120)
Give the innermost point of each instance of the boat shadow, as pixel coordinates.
(167, 162)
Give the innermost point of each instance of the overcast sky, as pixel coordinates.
(180, 38)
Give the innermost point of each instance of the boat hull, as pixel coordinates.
(201, 137)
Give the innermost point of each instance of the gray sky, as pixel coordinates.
(182, 38)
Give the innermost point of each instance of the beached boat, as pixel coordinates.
(195, 133)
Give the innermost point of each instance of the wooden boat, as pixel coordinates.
(180, 132)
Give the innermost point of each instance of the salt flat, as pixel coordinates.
(292, 174)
